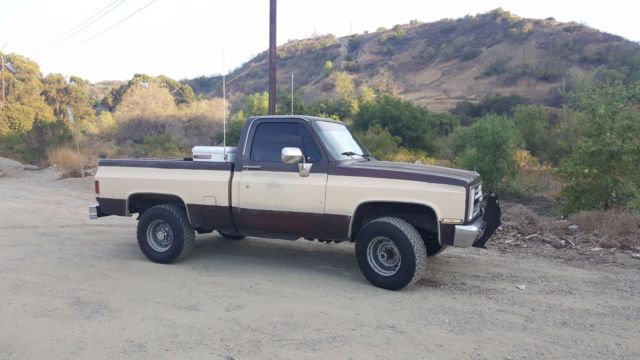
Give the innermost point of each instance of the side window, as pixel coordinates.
(310, 150)
(270, 138)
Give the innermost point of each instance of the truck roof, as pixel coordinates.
(287, 117)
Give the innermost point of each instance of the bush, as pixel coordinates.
(495, 68)
(497, 104)
(379, 141)
(66, 160)
(401, 118)
(470, 54)
(490, 148)
(44, 136)
(162, 146)
(603, 169)
(234, 129)
(15, 118)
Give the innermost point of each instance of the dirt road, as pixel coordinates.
(71, 288)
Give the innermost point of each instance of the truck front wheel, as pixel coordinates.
(391, 253)
(164, 234)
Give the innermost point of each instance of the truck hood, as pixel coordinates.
(406, 171)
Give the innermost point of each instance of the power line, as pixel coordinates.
(103, 30)
(80, 27)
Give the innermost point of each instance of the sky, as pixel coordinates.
(187, 38)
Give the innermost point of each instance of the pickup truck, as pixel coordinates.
(295, 177)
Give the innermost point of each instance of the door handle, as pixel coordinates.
(251, 167)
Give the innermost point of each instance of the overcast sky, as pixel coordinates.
(186, 38)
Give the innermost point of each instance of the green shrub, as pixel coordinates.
(489, 149)
(413, 124)
(15, 118)
(162, 146)
(379, 141)
(42, 137)
(603, 169)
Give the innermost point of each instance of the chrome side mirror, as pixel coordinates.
(304, 169)
(291, 155)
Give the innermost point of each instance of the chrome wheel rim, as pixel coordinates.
(383, 256)
(159, 236)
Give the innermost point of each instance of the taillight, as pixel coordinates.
(97, 185)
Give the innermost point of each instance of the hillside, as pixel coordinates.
(441, 63)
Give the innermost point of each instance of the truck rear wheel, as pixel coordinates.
(391, 253)
(164, 234)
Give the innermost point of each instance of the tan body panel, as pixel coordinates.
(192, 186)
(281, 191)
(346, 193)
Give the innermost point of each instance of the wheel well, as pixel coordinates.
(139, 203)
(422, 217)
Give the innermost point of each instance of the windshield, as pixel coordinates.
(339, 141)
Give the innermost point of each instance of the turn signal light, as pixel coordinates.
(97, 187)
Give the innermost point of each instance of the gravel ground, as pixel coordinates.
(71, 288)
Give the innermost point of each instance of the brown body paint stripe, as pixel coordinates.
(253, 222)
(394, 175)
(296, 224)
(113, 206)
(168, 164)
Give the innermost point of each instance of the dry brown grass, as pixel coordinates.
(609, 229)
(526, 222)
(604, 229)
(67, 161)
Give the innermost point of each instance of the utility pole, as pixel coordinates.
(272, 56)
(291, 93)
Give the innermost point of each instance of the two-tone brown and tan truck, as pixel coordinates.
(297, 177)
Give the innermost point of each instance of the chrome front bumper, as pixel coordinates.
(94, 211)
(466, 235)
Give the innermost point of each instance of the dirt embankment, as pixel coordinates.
(72, 288)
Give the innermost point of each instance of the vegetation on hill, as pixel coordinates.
(567, 118)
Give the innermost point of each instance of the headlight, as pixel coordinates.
(475, 198)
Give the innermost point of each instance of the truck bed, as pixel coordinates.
(203, 186)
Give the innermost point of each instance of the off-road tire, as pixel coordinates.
(183, 234)
(230, 236)
(409, 244)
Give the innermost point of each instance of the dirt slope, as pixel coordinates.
(441, 63)
(72, 288)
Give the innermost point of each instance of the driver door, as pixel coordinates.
(274, 200)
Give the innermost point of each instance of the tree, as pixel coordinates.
(367, 95)
(603, 168)
(401, 118)
(379, 141)
(145, 102)
(489, 148)
(257, 104)
(343, 84)
(532, 123)
(327, 68)
(15, 118)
